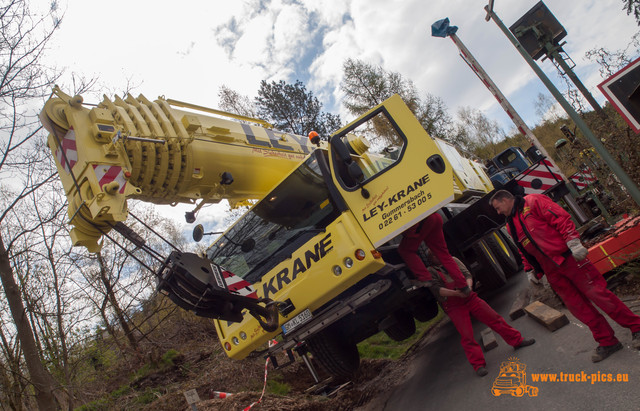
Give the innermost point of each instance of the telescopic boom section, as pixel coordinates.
(156, 152)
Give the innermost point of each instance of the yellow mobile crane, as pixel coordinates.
(315, 258)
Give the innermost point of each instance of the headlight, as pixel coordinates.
(337, 270)
(348, 262)
(235, 341)
(243, 335)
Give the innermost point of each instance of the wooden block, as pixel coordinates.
(547, 316)
(521, 301)
(488, 339)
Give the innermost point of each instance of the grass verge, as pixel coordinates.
(381, 346)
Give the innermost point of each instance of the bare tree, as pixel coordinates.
(477, 134)
(118, 279)
(611, 61)
(366, 85)
(22, 78)
(633, 7)
(47, 286)
(234, 102)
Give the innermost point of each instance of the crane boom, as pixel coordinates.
(158, 153)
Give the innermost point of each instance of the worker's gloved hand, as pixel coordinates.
(577, 249)
(531, 275)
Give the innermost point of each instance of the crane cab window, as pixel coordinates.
(507, 158)
(299, 208)
(372, 145)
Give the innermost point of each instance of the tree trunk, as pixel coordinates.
(42, 381)
(116, 308)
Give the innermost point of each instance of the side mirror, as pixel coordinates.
(353, 170)
(198, 233)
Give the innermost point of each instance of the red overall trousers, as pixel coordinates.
(580, 285)
(460, 311)
(430, 231)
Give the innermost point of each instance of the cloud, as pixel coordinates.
(240, 43)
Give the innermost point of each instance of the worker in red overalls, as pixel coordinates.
(550, 244)
(430, 232)
(450, 282)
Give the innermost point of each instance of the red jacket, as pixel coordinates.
(549, 226)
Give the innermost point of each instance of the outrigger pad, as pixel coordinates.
(196, 284)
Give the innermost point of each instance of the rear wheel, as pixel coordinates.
(403, 327)
(335, 353)
(491, 275)
(503, 253)
(512, 245)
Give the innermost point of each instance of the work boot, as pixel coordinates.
(481, 372)
(603, 352)
(635, 340)
(525, 343)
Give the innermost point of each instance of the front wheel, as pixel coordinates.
(335, 353)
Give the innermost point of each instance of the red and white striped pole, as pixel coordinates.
(504, 103)
(517, 120)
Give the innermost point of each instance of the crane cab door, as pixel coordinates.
(389, 171)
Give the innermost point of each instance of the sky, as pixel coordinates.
(187, 50)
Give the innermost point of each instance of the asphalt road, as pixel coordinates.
(443, 379)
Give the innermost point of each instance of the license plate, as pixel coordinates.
(296, 321)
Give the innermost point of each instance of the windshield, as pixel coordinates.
(296, 210)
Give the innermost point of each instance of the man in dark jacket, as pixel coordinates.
(549, 244)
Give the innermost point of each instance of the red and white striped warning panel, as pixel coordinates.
(220, 394)
(68, 147)
(539, 177)
(107, 174)
(238, 285)
(582, 179)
